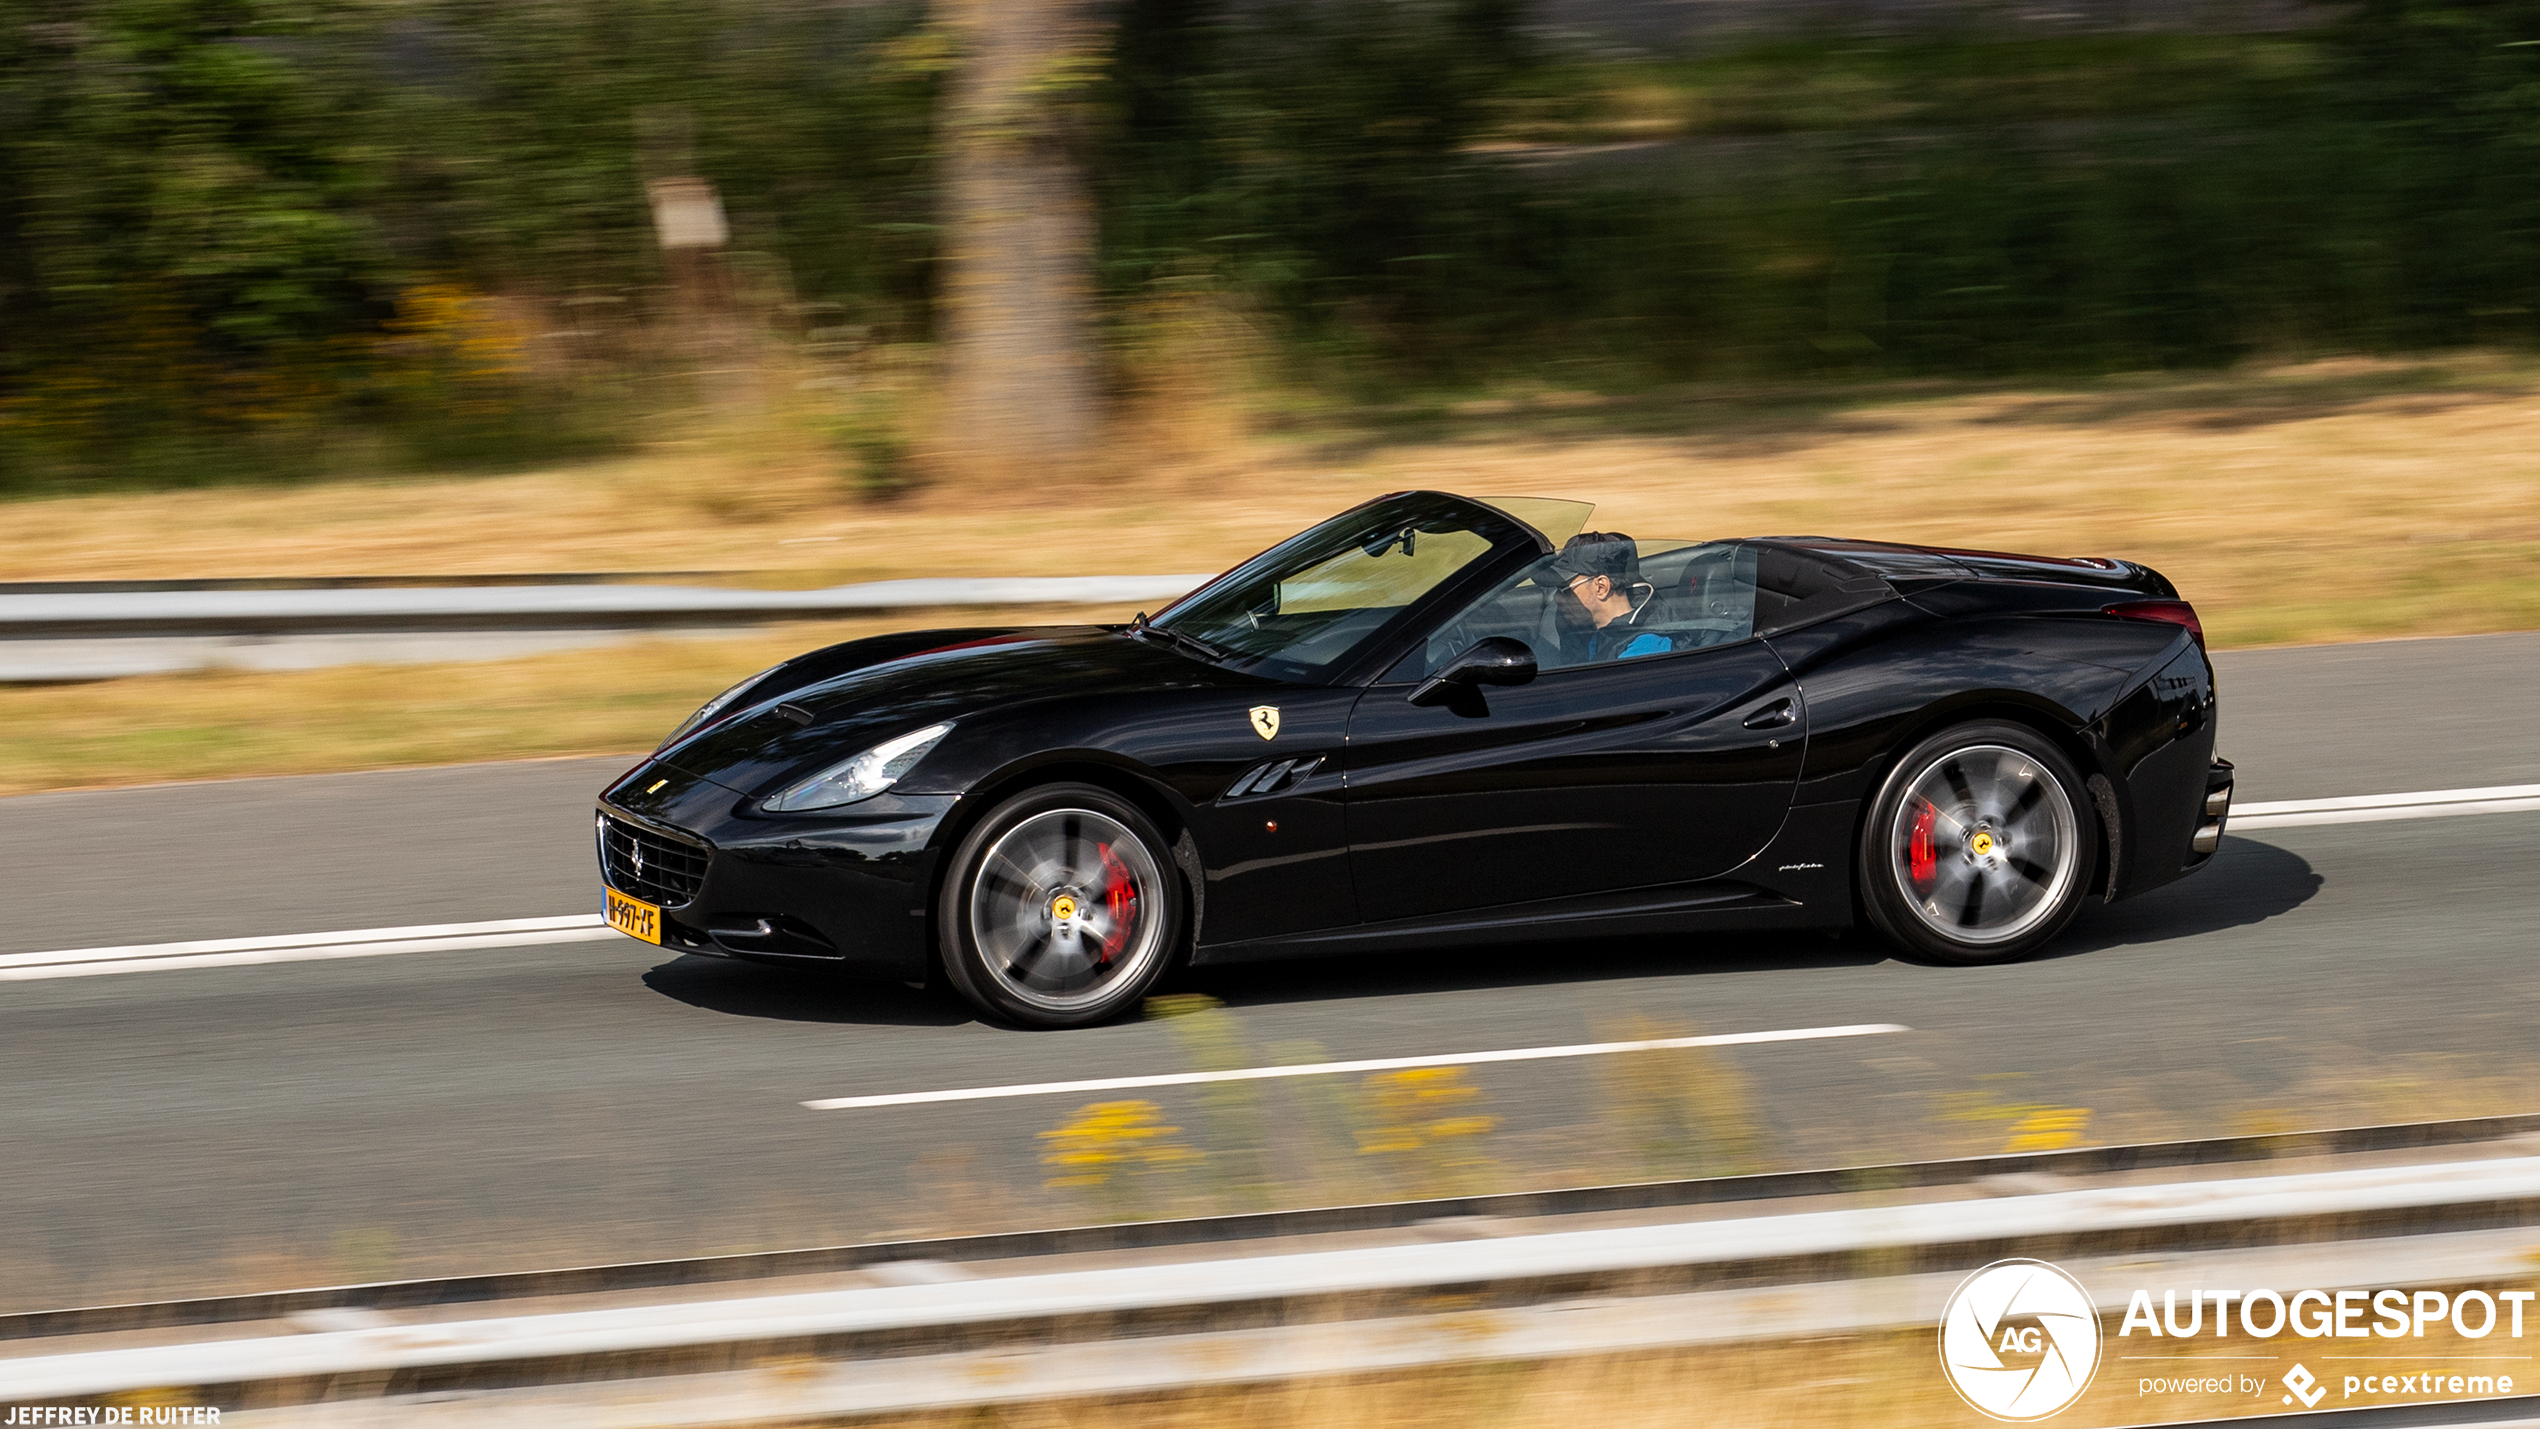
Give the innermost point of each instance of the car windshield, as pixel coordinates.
(1305, 607)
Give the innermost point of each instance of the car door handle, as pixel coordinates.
(1771, 716)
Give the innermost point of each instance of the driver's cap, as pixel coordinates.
(1599, 553)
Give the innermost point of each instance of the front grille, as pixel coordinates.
(642, 864)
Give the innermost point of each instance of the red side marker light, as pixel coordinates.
(2165, 612)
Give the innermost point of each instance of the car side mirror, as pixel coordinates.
(1497, 660)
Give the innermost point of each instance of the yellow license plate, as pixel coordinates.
(632, 916)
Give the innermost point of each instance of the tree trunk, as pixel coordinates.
(1018, 298)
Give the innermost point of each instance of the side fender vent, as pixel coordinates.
(1273, 777)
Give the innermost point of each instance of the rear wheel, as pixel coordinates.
(1062, 907)
(1979, 845)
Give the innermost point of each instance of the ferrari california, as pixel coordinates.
(1433, 721)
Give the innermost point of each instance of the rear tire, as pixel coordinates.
(1062, 907)
(1979, 846)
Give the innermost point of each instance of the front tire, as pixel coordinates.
(1979, 846)
(1062, 907)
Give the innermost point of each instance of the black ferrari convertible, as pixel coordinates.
(1434, 721)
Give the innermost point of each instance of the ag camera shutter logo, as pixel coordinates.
(2020, 1340)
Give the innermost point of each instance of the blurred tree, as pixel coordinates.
(185, 198)
(1318, 154)
(2430, 182)
(231, 229)
(1017, 299)
(218, 217)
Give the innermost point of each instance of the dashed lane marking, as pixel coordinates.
(304, 947)
(2378, 808)
(1324, 1069)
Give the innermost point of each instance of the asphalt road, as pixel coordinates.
(175, 1132)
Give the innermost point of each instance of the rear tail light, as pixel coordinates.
(2166, 612)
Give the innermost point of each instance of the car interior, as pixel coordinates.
(1691, 595)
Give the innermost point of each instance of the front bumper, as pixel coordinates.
(848, 887)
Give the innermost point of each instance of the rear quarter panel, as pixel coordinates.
(2158, 741)
(1897, 674)
(1876, 681)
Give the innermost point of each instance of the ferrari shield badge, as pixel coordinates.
(1265, 721)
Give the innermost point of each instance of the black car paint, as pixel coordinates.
(1585, 781)
(1557, 807)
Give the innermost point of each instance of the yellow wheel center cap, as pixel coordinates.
(1982, 844)
(1063, 908)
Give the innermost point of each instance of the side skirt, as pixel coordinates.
(1810, 862)
(1671, 909)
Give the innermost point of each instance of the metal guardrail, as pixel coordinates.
(581, 606)
(99, 634)
(2061, 1217)
(488, 578)
(1201, 1232)
(1273, 1313)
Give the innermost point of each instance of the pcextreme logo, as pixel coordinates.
(2020, 1340)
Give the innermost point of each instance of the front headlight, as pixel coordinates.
(711, 708)
(862, 777)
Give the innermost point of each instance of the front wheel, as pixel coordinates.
(1979, 846)
(1061, 908)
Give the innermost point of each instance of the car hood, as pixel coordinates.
(762, 747)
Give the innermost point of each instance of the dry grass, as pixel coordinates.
(1869, 1380)
(1888, 1380)
(2327, 501)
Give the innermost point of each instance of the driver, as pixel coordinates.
(1595, 613)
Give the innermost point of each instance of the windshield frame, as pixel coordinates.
(1515, 543)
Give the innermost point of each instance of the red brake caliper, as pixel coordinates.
(1924, 865)
(1120, 899)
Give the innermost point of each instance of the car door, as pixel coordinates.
(1263, 773)
(1629, 774)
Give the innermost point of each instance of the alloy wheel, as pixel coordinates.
(1068, 905)
(1984, 844)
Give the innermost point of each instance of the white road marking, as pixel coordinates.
(304, 947)
(2377, 808)
(587, 927)
(1378, 1064)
